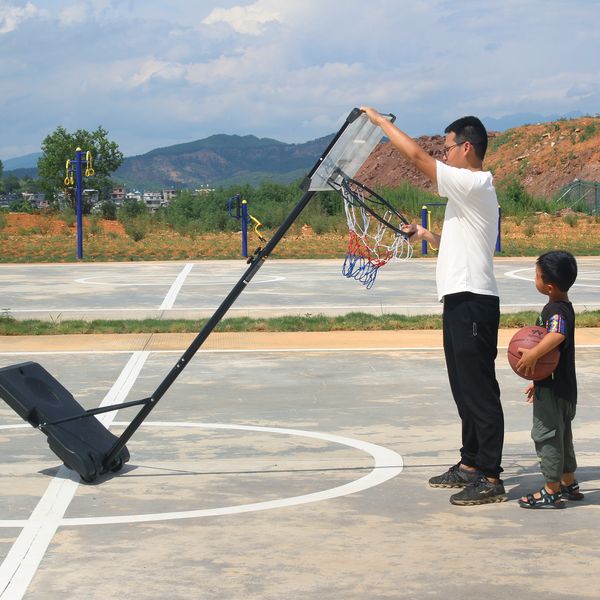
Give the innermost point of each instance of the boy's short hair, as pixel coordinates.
(559, 268)
(472, 130)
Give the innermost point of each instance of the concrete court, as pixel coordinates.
(397, 539)
(296, 287)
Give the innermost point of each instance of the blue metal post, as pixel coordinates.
(244, 228)
(498, 239)
(424, 224)
(78, 189)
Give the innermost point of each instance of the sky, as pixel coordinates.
(160, 72)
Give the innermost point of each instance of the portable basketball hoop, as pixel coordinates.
(375, 235)
(80, 440)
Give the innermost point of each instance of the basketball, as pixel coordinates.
(529, 337)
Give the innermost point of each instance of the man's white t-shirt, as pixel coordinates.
(465, 258)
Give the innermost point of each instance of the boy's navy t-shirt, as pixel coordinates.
(559, 317)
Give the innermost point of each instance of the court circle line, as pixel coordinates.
(387, 465)
(513, 275)
(213, 281)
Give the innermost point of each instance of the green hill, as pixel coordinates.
(220, 160)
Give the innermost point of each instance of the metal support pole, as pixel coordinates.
(78, 187)
(244, 228)
(256, 263)
(498, 239)
(424, 223)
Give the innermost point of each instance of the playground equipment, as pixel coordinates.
(74, 176)
(241, 213)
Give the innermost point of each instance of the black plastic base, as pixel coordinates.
(38, 398)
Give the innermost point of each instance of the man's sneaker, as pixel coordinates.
(480, 491)
(571, 492)
(454, 477)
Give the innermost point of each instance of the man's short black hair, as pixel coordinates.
(558, 268)
(472, 130)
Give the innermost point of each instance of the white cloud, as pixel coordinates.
(11, 16)
(152, 68)
(73, 14)
(250, 19)
(156, 72)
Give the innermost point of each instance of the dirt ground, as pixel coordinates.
(544, 156)
(46, 238)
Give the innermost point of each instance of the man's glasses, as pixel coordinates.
(446, 150)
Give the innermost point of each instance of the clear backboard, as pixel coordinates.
(348, 150)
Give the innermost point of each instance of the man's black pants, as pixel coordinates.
(471, 344)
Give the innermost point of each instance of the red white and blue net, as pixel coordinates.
(375, 232)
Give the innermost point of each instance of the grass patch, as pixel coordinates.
(355, 321)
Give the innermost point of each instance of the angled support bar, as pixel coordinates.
(96, 411)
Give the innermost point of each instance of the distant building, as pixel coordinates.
(37, 200)
(118, 195)
(135, 195)
(153, 200)
(92, 196)
(204, 191)
(168, 195)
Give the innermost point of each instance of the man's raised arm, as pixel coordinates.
(409, 149)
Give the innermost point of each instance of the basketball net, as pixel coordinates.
(374, 239)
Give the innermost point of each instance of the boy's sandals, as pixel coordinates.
(545, 500)
(571, 492)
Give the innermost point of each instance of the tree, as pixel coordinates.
(108, 209)
(11, 184)
(60, 146)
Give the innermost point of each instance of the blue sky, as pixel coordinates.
(160, 72)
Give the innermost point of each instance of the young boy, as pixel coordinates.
(554, 398)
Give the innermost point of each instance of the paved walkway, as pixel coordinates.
(251, 341)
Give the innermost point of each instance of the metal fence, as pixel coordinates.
(585, 195)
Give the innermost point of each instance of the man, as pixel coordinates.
(467, 287)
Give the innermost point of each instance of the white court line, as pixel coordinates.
(176, 287)
(156, 283)
(513, 275)
(21, 562)
(387, 464)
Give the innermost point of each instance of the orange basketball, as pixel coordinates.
(529, 337)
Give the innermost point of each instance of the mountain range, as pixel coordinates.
(222, 160)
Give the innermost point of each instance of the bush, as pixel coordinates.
(108, 210)
(138, 227)
(95, 225)
(131, 209)
(529, 226)
(23, 206)
(515, 200)
(68, 216)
